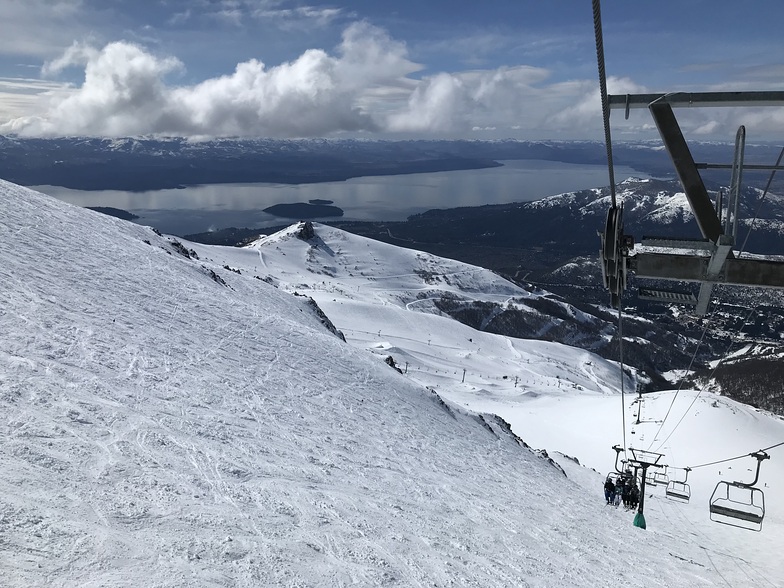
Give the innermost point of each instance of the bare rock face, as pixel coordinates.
(306, 231)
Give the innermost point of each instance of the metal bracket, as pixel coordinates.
(768, 98)
(690, 178)
(717, 223)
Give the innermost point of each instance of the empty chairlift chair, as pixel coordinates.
(661, 477)
(677, 490)
(740, 504)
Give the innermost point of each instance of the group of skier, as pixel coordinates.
(623, 489)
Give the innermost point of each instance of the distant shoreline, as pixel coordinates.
(130, 176)
(140, 165)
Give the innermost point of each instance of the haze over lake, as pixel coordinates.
(203, 208)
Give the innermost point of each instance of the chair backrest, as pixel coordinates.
(678, 491)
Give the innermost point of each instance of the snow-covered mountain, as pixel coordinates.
(172, 415)
(552, 244)
(565, 225)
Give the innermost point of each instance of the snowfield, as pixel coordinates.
(171, 414)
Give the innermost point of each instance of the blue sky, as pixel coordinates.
(435, 68)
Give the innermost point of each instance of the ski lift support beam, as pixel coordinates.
(746, 166)
(721, 267)
(618, 449)
(759, 456)
(700, 99)
(689, 268)
(701, 205)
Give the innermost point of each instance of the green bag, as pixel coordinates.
(639, 520)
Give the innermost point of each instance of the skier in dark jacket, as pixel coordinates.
(634, 496)
(619, 485)
(626, 496)
(609, 490)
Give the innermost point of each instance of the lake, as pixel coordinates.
(204, 208)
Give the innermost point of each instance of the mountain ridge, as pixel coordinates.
(551, 244)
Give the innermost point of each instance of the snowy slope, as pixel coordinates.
(169, 422)
(559, 398)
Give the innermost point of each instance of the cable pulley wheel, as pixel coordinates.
(613, 255)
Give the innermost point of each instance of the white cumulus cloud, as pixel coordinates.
(367, 84)
(125, 92)
(586, 111)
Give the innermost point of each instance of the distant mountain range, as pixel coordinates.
(137, 164)
(537, 237)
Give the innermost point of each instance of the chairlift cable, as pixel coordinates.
(759, 204)
(772, 446)
(710, 375)
(703, 465)
(597, 27)
(707, 324)
(688, 369)
(620, 354)
(763, 450)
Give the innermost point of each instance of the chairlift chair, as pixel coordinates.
(661, 478)
(736, 504)
(739, 504)
(679, 490)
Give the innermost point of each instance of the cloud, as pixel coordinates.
(19, 95)
(125, 92)
(241, 12)
(508, 98)
(300, 17)
(760, 121)
(40, 28)
(368, 84)
(77, 54)
(518, 99)
(715, 123)
(709, 128)
(180, 17)
(586, 111)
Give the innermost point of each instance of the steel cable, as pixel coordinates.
(702, 465)
(759, 204)
(597, 27)
(740, 253)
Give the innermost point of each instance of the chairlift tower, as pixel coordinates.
(707, 261)
(644, 460)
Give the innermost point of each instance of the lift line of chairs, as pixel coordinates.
(739, 504)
